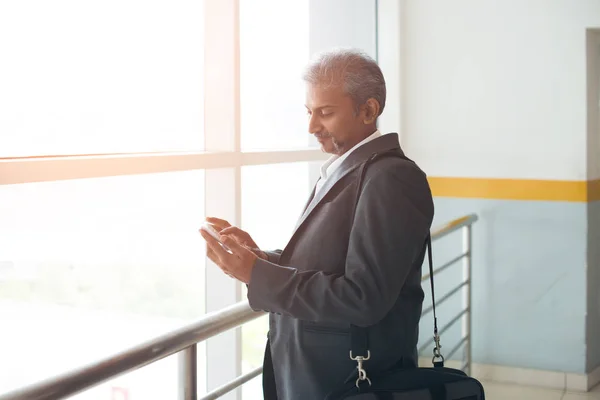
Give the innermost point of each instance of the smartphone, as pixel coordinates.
(208, 228)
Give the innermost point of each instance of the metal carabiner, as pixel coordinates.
(437, 355)
(362, 373)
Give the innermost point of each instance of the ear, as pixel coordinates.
(371, 111)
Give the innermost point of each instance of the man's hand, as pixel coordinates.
(237, 264)
(242, 237)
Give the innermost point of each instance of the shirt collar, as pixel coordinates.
(335, 161)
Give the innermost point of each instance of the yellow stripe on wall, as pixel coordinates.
(516, 189)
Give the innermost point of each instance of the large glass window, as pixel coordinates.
(113, 76)
(91, 267)
(274, 41)
(273, 198)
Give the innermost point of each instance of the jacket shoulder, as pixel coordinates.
(399, 178)
(395, 167)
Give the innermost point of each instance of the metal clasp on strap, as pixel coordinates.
(362, 373)
(438, 358)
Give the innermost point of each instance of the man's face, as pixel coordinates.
(334, 120)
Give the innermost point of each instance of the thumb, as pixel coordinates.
(235, 247)
(230, 230)
(219, 223)
(238, 234)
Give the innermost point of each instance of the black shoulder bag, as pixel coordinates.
(433, 383)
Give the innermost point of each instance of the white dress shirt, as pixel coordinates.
(335, 161)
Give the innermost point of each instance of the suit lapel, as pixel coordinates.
(383, 143)
(330, 183)
(310, 199)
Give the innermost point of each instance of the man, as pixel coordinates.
(338, 271)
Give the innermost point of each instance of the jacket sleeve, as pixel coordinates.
(393, 218)
(273, 255)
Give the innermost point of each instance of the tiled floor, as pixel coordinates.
(498, 391)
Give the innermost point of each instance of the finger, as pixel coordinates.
(218, 222)
(233, 230)
(240, 235)
(215, 260)
(211, 255)
(215, 247)
(236, 248)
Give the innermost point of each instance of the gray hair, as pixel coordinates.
(359, 74)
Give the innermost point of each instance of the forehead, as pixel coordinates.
(319, 96)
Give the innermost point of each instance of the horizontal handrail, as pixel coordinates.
(146, 353)
(453, 226)
(234, 384)
(212, 324)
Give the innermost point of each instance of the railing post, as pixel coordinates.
(188, 373)
(466, 298)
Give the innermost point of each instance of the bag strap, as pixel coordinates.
(438, 358)
(359, 337)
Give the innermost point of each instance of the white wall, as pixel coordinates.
(493, 89)
(342, 23)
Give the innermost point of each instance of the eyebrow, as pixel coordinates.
(321, 107)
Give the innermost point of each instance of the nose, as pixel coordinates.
(314, 124)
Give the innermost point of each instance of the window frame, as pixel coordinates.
(222, 159)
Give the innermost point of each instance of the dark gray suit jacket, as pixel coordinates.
(334, 273)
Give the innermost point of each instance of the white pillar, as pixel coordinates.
(389, 56)
(222, 133)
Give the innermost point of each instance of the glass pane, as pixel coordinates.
(91, 267)
(154, 381)
(101, 76)
(273, 198)
(272, 91)
(269, 214)
(254, 339)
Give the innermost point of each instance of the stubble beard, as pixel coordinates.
(337, 145)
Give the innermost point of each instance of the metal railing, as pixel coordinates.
(184, 340)
(465, 224)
